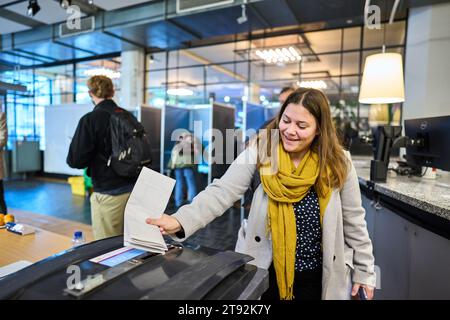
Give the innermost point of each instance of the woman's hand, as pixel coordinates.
(166, 224)
(369, 290)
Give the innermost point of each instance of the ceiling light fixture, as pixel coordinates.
(279, 55)
(314, 84)
(180, 92)
(33, 8)
(103, 72)
(382, 80)
(243, 18)
(65, 4)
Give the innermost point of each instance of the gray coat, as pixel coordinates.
(347, 249)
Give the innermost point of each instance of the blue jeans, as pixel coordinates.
(180, 175)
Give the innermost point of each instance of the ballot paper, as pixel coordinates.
(149, 198)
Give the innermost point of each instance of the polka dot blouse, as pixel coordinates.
(309, 233)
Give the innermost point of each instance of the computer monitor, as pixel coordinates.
(429, 142)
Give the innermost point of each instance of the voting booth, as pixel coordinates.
(151, 119)
(271, 112)
(62, 120)
(104, 270)
(255, 115)
(200, 120)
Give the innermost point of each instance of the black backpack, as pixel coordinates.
(130, 144)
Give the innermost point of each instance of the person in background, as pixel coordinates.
(183, 163)
(3, 142)
(284, 94)
(306, 223)
(91, 148)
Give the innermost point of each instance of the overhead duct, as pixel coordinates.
(194, 5)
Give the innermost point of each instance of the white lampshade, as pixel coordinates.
(382, 80)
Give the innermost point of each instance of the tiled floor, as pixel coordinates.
(56, 199)
(49, 198)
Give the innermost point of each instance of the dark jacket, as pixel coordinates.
(91, 147)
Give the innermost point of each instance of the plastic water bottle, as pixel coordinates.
(78, 239)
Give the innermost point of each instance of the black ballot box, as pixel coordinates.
(104, 269)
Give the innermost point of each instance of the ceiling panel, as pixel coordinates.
(158, 34)
(8, 26)
(51, 11)
(97, 42)
(276, 13)
(222, 52)
(52, 50)
(135, 35)
(11, 58)
(163, 34)
(220, 22)
(325, 41)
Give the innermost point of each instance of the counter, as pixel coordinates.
(408, 219)
(432, 196)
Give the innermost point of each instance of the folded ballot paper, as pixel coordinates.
(149, 199)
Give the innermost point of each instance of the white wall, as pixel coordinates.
(427, 62)
(60, 124)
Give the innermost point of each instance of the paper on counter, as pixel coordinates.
(149, 198)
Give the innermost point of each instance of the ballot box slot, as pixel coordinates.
(95, 281)
(36, 273)
(196, 281)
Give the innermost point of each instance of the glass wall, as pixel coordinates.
(85, 69)
(331, 60)
(48, 86)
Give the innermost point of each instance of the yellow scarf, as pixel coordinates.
(288, 186)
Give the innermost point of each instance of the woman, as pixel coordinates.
(306, 223)
(182, 162)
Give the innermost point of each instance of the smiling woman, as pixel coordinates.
(306, 223)
(298, 129)
(304, 123)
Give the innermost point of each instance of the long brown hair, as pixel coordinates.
(326, 144)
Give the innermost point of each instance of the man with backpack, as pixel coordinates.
(113, 145)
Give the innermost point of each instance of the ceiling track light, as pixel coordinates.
(103, 72)
(279, 55)
(243, 18)
(33, 8)
(65, 4)
(314, 84)
(180, 92)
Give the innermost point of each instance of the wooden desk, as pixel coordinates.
(32, 247)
